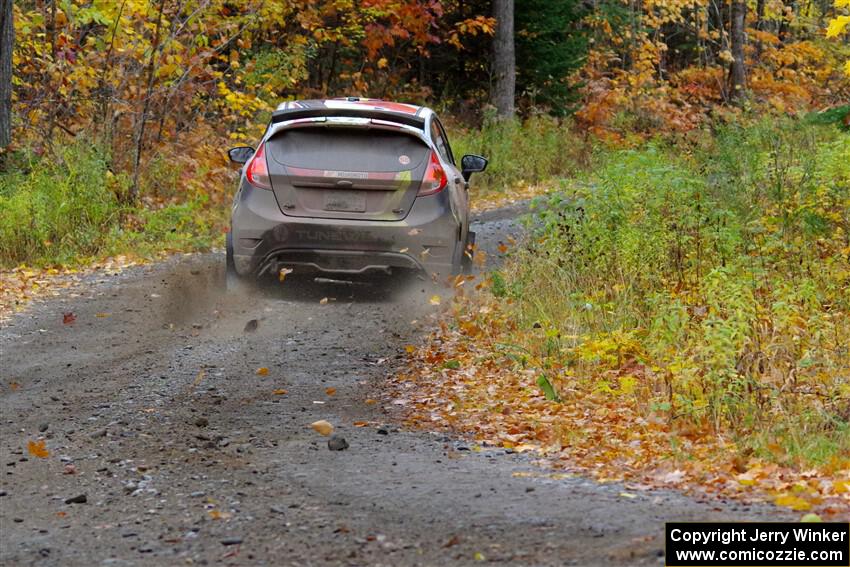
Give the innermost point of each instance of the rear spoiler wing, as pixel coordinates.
(398, 117)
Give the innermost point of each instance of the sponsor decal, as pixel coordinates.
(404, 159)
(348, 174)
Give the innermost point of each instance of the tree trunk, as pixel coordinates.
(737, 70)
(7, 41)
(140, 133)
(504, 60)
(759, 21)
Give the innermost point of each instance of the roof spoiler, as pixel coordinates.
(377, 114)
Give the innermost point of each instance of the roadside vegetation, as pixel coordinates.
(69, 208)
(679, 312)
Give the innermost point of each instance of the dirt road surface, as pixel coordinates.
(154, 414)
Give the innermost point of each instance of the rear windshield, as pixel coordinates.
(347, 149)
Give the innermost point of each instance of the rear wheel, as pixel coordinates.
(232, 280)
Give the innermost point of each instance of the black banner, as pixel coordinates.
(757, 544)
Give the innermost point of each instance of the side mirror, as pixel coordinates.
(471, 163)
(241, 154)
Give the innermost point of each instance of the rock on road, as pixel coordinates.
(167, 447)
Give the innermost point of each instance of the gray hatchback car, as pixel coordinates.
(348, 187)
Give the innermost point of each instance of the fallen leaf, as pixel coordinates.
(201, 373)
(14, 386)
(414, 231)
(502, 248)
(279, 392)
(323, 301)
(793, 502)
(38, 449)
(360, 423)
(330, 391)
(262, 371)
(68, 318)
(404, 250)
(435, 300)
(370, 401)
(322, 427)
(218, 514)
(628, 495)
(102, 315)
(283, 273)
(811, 519)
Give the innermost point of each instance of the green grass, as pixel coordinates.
(533, 151)
(67, 208)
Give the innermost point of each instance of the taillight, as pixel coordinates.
(257, 170)
(435, 177)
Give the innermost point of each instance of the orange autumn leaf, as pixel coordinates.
(38, 449)
(330, 391)
(262, 371)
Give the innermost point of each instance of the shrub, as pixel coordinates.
(722, 272)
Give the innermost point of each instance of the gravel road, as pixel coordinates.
(166, 447)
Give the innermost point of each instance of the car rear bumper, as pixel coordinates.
(265, 240)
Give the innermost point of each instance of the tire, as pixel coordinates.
(233, 282)
(466, 259)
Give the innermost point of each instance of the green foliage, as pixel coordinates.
(521, 152)
(550, 46)
(59, 207)
(69, 208)
(724, 273)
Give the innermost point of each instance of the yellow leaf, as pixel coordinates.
(841, 486)
(322, 427)
(811, 519)
(435, 300)
(262, 371)
(382, 62)
(837, 25)
(38, 449)
(793, 502)
(279, 392)
(283, 273)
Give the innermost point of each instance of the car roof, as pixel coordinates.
(354, 102)
(353, 107)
